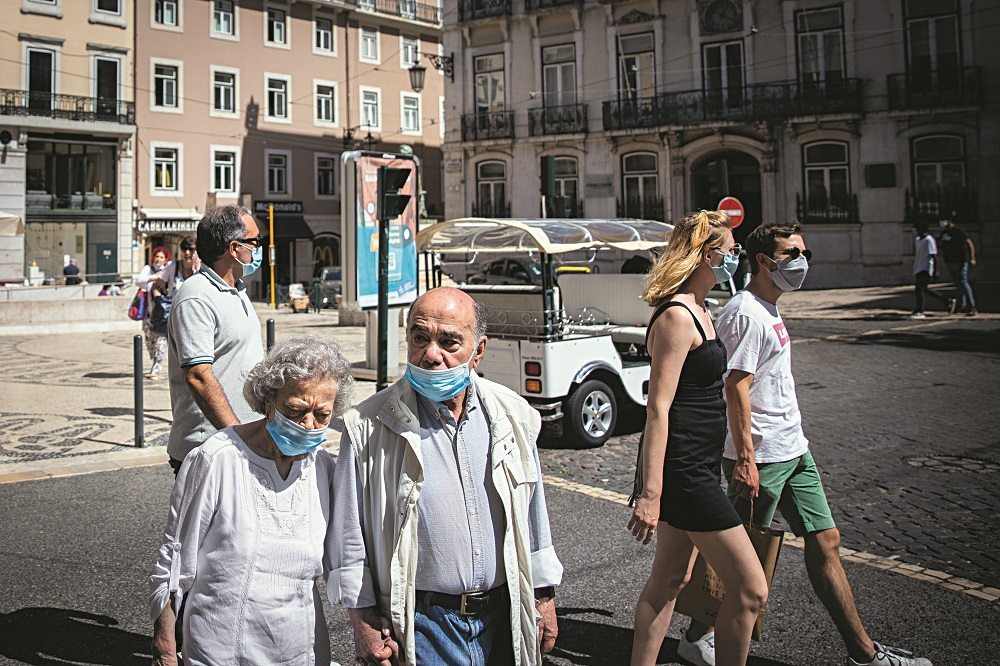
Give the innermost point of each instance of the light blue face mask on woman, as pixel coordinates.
(439, 385)
(727, 270)
(293, 439)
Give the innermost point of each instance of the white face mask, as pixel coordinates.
(789, 274)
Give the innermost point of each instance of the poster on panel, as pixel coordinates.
(360, 233)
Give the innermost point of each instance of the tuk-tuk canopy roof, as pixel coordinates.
(551, 236)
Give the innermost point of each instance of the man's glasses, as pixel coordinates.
(256, 242)
(794, 252)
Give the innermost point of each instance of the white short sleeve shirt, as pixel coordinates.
(758, 343)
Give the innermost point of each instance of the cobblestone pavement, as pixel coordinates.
(903, 423)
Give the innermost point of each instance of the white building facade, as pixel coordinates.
(855, 118)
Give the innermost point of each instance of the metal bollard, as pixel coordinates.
(270, 334)
(137, 409)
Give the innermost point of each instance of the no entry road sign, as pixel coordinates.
(734, 208)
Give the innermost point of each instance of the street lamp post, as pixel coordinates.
(418, 72)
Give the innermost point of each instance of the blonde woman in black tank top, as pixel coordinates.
(681, 500)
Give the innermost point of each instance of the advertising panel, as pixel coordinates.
(360, 233)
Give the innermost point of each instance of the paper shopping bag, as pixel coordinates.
(701, 597)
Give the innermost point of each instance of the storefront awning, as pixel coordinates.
(10, 225)
(286, 227)
(168, 220)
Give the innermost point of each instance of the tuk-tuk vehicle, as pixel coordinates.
(571, 341)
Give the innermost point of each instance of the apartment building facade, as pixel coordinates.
(66, 124)
(855, 118)
(254, 101)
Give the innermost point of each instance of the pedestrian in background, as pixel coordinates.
(249, 522)
(214, 333)
(924, 268)
(187, 264)
(156, 342)
(72, 272)
(678, 491)
(959, 253)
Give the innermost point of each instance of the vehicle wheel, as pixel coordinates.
(591, 413)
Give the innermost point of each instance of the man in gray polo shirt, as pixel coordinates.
(213, 333)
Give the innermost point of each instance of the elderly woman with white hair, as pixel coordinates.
(249, 521)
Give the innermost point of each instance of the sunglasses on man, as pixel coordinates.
(256, 242)
(794, 252)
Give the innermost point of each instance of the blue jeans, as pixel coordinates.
(445, 637)
(963, 290)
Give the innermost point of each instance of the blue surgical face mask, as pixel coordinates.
(256, 256)
(293, 439)
(727, 270)
(439, 385)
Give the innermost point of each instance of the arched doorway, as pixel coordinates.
(728, 174)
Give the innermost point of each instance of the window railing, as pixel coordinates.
(66, 107)
(823, 212)
(408, 9)
(939, 203)
(471, 10)
(566, 119)
(643, 208)
(934, 89)
(535, 5)
(490, 208)
(489, 125)
(766, 101)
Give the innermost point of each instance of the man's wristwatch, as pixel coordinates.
(548, 592)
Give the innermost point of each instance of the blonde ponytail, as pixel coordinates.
(691, 236)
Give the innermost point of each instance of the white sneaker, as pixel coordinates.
(700, 652)
(890, 656)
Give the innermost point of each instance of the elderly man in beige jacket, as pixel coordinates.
(443, 546)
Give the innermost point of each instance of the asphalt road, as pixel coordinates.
(903, 424)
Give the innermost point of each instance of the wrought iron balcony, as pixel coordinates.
(40, 202)
(66, 107)
(765, 101)
(489, 208)
(934, 89)
(633, 113)
(566, 119)
(408, 9)
(938, 203)
(535, 5)
(644, 208)
(490, 125)
(824, 212)
(470, 10)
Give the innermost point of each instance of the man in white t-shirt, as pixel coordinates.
(767, 455)
(924, 268)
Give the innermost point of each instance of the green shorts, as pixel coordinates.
(793, 487)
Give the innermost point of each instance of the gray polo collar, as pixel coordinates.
(435, 408)
(219, 283)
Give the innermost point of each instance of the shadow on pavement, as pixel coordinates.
(108, 375)
(59, 636)
(126, 411)
(593, 643)
(946, 340)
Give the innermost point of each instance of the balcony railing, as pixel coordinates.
(535, 5)
(566, 119)
(470, 10)
(408, 9)
(766, 101)
(823, 212)
(490, 125)
(644, 208)
(489, 208)
(939, 203)
(934, 89)
(66, 107)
